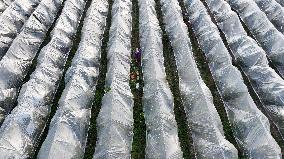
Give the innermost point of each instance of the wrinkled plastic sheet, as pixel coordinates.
(268, 85)
(4, 4)
(12, 20)
(207, 130)
(68, 129)
(15, 65)
(115, 120)
(251, 128)
(270, 39)
(281, 2)
(162, 135)
(22, 129)
(274, 12)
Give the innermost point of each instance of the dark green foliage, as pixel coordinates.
(139, 138)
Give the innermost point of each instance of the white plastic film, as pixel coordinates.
(12, 20)
(162, 135)
(207, 130)
(250, 127)
(115, 120)
(68, 129)
(4, 4)
(274, 12)
(16, 63)
(281, 2)
(268, 85)
(270, 39)
(22, 129)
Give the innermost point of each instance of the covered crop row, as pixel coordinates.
(274, 12)
(115, 120)
(179, 109)
(15, 65)
(265, 81)
(12, 20)
(68, 130)
(22, 129)
(4, 4)
(203, 119)
(251, 127)
(281, 2)
(162, 136)
(263, 30)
